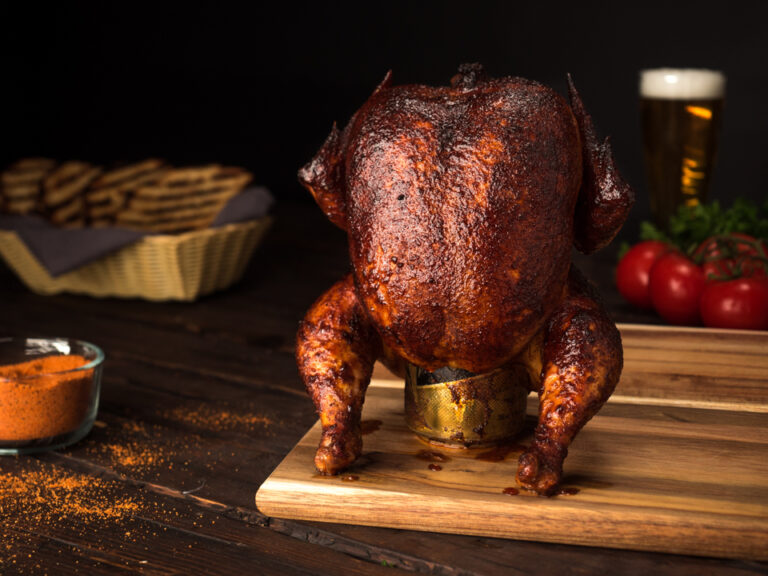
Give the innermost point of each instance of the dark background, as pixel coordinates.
(260, 86)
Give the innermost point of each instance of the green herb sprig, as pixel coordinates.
(690, 226)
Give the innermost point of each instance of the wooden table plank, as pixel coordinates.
(234, 351)
(112, 524)
(453, 554)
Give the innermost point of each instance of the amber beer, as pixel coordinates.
(681, 114)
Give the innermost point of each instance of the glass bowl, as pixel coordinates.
(49, 392)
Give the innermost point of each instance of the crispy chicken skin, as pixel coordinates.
(461, 205)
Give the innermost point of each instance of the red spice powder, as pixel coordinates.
(48, 493)
(131, 448)
(51, 500)
(35, 402)
(218, 419)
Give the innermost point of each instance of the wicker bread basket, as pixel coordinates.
(166, 267)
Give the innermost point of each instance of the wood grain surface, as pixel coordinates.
(654, 470)
(201, 402)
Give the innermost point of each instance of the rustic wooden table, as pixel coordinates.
(200, 402)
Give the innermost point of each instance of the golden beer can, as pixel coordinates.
(483, 409)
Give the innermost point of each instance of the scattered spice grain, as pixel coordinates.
(133, 448)
(217, 419)
(48, 494)
(47, 499)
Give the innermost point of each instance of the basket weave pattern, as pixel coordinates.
(166, 267)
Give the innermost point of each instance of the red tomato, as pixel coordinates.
(731, 255)
(740, 303)
(676, 284)
(633, 271)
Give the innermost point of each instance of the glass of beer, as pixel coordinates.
(681, 114)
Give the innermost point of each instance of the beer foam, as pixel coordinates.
(685, 84)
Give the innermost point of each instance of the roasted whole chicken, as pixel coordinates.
(461, 205)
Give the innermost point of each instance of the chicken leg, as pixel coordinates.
(336, 349)
(581, 361)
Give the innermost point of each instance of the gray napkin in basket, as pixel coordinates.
(60, 250)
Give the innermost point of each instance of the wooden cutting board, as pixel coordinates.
(677, 461)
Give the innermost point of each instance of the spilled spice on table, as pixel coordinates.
(42, 398)
(135, 448)
(150, 451)
(52, 501)
(44, 507)
(48, 499)
(132, 456)
(218, 419)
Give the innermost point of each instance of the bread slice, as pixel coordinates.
(183, 198)
(101, 223)
(181, 182)
(109, 193)
(146, 195)
(62, 197)
(27, 170)
(21, 184)
(182, 220)
(70, 214)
